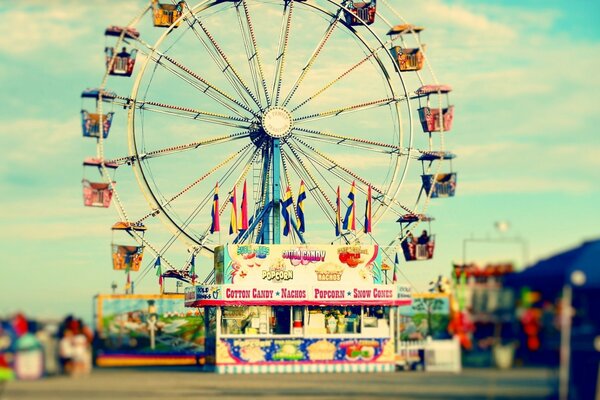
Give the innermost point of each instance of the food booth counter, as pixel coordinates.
(287, 308)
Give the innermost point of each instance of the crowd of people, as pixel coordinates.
(31, 349)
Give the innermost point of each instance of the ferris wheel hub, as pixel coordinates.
(277, 122)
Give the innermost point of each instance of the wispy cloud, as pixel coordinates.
(46, 139)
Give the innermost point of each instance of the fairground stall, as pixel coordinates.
(146, 330)
(307, 308)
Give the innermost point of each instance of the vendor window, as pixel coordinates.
(333, 320)
(257, 320)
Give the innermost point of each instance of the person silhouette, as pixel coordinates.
(424, 238)
(123, 53)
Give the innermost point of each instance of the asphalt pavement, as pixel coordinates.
(185, 383)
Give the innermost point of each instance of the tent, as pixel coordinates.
(548, 276)
(574, 275)
(588, 262)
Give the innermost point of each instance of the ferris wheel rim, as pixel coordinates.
(154, 202)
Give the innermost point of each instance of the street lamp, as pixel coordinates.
(502, 227)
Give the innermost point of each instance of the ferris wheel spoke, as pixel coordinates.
(284, 36)
(331, 165)
(313, 56)
(313, 181)
(220, 58)
(349, 109)
(202, 84)
(314, 190)
(185, 112)
(353, 142)
(256, 54)
(207, 199)
(180, 148)
(231, 157)
(250, 53)
(340, 77)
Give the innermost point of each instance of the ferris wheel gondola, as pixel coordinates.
(435, 118)
(90, 121)
(166, 14)
(127, 254)
(416, 248)
(120, 62)
(361, 11)
(97, 193)
(438, 184)
(409, 58)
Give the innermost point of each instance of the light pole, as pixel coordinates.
(501, 226)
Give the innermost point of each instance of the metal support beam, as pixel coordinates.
(276, 161)
(263, 236)
(255, 221)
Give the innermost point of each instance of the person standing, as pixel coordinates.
(65, 351)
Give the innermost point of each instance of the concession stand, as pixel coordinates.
(299, 308)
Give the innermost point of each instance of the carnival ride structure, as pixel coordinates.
(258, 98)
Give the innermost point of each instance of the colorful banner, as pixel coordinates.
(304, 351)
(301, 264)
(323, 294)
(428, 315)
(147, 330)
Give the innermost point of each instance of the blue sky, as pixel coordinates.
(525, 83)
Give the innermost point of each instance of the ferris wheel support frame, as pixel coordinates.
(270, 222)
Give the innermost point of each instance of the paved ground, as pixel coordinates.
(131, 384)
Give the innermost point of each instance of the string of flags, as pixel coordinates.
(238, 222)
(349, 221)
(285, 211)
(193, 269)
(159, 272)
(214, 212)
(301, 197)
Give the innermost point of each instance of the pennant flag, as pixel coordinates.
(158, 271)
(244, 211)
(128, 284)
(193, 269)
(338, 214)
(350, 218)
(233, 226)
(214, 213)
(285, 212)
(367, 227)
(395, 277)
(301, 198)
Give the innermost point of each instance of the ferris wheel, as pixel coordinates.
(266, 121)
